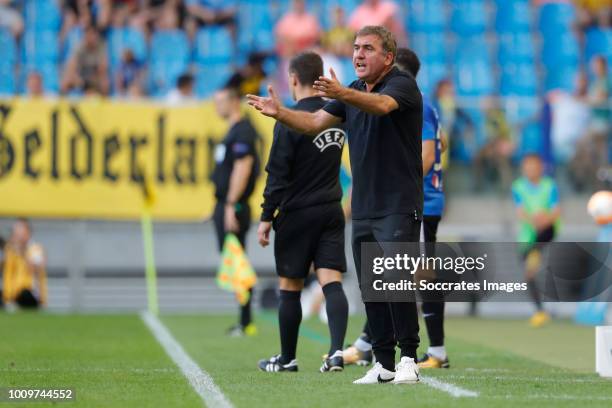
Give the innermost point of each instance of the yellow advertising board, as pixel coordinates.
(91, 159)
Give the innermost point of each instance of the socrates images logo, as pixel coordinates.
(330, 137)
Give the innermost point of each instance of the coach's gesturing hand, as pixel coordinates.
(269, 106)
(329, 87)
(263, 233)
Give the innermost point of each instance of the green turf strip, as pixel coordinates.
(110, 361)
(502, 378)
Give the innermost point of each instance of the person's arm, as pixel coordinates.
(278, 168)
(311, 123)
(429, 155)
(238, 182)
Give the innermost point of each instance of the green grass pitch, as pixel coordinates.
(114, 361)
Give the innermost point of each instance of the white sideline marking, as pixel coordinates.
(199, 379)
(451, 389)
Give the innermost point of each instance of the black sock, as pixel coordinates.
(535, 294)
(433, 313)
(245, 311)
(336, 306)
(289, 319)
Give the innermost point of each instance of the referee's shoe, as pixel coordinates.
(273, 365)
(334, 363)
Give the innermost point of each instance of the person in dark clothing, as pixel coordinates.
(383, 113)
(304, 186)
(236, 170)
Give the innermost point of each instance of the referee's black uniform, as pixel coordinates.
(387, 202)
(303, 184)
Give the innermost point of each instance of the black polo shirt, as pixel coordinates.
(385, 150)
(240, 141)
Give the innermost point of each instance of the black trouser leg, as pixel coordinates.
(27, 300)
(433, 311)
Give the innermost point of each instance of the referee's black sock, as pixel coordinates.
(535, 294)
(336, 306)
(289, 319)
(245, 311)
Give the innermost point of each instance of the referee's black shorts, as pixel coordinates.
(309, 235)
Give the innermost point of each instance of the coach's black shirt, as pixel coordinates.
(385, 150)
(239, 142)
(303, 171)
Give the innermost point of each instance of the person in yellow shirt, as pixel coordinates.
(24, 278)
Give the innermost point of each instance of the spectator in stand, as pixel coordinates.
(129, 77)
(183, 93)
(34, 85)
(379, 12)
(248, 79)
(599, 93)
(10, 18)
(88, 64)
(594, 13)
(211, 12)
(296, 31)
(76, 13)
(339, 39)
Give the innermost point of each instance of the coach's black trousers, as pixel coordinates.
(389, 321)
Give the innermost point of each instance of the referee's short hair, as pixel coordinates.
(386, 37)
(408, 61)
(307, 66)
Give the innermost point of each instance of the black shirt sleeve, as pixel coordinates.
(279, 169)
(336, 108)
(244, 144)
(405, 91)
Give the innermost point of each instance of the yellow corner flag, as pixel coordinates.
(235, 272)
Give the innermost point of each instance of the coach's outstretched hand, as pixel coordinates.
(329, 87)
(263, 233)
(269, 106)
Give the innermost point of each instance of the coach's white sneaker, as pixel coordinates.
(406, 371)
(375, 375)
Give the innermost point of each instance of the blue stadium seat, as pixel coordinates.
(8, 48)
(555, 18)
(474, 78)
(255, 27)
(561, 77)
(163, 76)
(598, 41)
(513, 16)
(472, 49)
(211, 77)
(120, 39)
(429, 76)
(73, 39)
(348, 71)
(40, 47)
(563, 49)
(515, 47)
(427, 15)
(469, 17)
(518, 79)
(213, 45)
(7, 78)
(42, 15)
(430, 47)
(170, 46)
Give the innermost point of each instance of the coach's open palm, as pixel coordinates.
(268, 106)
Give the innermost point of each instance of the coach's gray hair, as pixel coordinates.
(388, 40)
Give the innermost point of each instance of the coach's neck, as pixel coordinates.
(371, 84)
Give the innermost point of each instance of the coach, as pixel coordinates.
(383, 115)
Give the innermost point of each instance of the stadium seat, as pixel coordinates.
(430, 47)
(119, 39)
(429, 76)
(469, 17)
(472, 49)
(561, 77)
(255, 27)
(474, 78)
(72, 41)
(170, 46)
(211, 77)
(598, 41)
(513, 16)
(8, 48)
(518, 79)
(40, 47)
(213, 45)
(515, 47)
(427, 15)
(7, 78)
(42, 15)
(563, 49)
(555, 18)
(163, 76)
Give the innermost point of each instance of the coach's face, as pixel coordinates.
(369, 57)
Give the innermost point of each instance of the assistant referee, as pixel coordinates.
(383, 113)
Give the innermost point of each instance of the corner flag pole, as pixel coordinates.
(149, 251)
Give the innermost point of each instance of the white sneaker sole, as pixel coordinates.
(405, 381)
